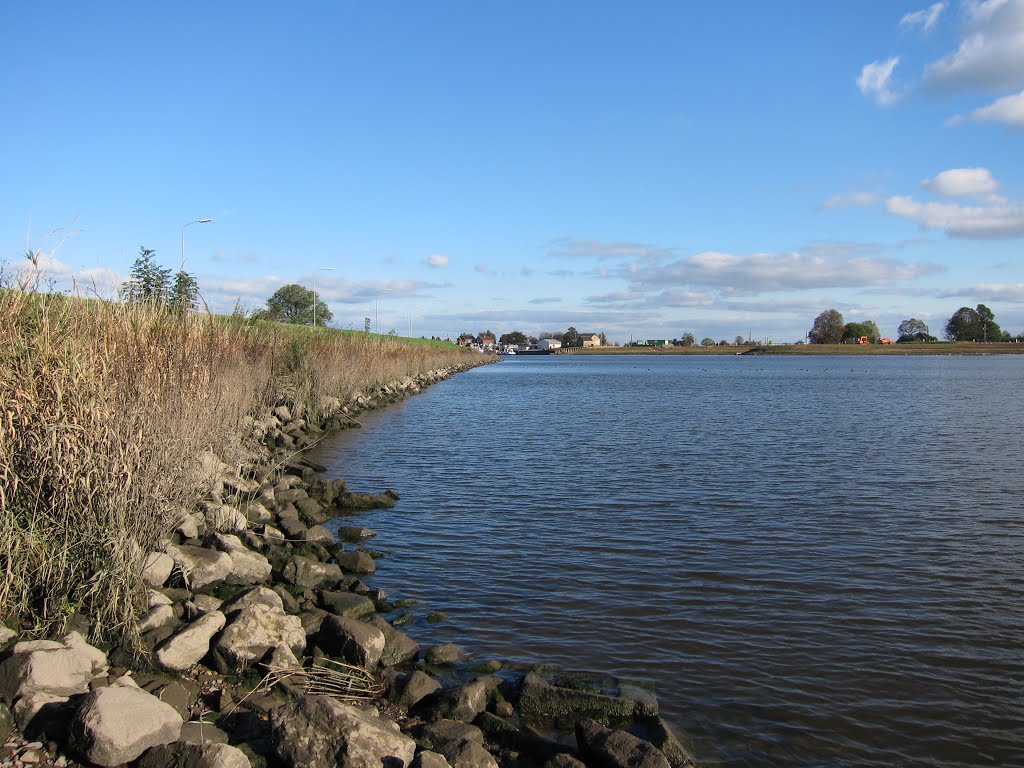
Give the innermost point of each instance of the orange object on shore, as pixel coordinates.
(886, 340)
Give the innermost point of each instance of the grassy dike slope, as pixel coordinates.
(106, 411)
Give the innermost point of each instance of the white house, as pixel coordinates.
(549, 344)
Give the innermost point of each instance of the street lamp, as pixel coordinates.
(322, 269)
(376, 302)
(197, 221)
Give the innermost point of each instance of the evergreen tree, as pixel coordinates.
(149, 281)
(184, 294)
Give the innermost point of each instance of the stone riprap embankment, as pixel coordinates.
(267, 647)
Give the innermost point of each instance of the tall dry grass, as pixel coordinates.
(107, 408)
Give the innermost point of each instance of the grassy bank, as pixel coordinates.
(934, 348)
(107, 409)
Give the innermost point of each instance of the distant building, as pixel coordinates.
(466, 340)
(656, 343)
(590, 340)
(549, 344)
(487, 339)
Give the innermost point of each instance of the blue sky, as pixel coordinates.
(641, 169)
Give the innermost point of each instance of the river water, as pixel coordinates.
(816, 561)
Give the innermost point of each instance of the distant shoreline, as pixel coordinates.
(932, 348)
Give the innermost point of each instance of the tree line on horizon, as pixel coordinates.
(966, 324)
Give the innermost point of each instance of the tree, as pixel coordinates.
(513, 337)
(294, 304)
(853, 331)
(149, 281)
(603, 338)
(828, 328)
(707, 341)
(739, 340)
(571, 338)
(914, 330)
(687, 340)
(968, 324)
(552, 335)
(184, 294)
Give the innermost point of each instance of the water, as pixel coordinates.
(816, 561)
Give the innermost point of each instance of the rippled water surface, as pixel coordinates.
(816, 561)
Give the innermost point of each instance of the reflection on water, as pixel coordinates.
(816, 561)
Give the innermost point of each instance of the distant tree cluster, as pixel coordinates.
(294, 304)
(151, 283)
(966, 324)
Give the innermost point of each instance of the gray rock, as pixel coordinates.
(205, 604)
(225, 518)
(257, 596)
(255, 512)
(305, 572)
(398, 646)
(254, 631)
(356, 562)
(602, 747)
(186, 754)
(201, 567)
(463, 703)
(115, 725)
(540, 703)
(446, 653)
(467, 754)
(355, 533)
(272, 535)
(6, 722)
(663, 736)
(160, 616)
(356, 642)
(444, 731)
(427, 759)
(156, 569)
(38, 711)
(564, 760)
(414, 687)
(347, 604)
(316, 731)
(319, 535)
(311, 510)
(289, 495)
(188, 528)
(288, 601)
(247, 567)
(202, 733)
(191, 644)
(61, 668)
(293, 528)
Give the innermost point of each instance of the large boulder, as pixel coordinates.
(356, 562)
(358, 643)
(201, 567)
(602, 747)
(467, 754)
(347, 604)
(462, 703)
(223, 517)
(156, 569)
(247, 567)
(398, 646)
(61, 668)
(541, 702)
(413, 688)
(189, 645)
(117, 724)
(254, 631)
(258, 595)
(183, 754)
(316, 731)
(306, 572)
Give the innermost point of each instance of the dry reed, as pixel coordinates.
(107, 409)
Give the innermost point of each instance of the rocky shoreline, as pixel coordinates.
(266, 646)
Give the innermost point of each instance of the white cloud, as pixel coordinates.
(1008, 110)
(875, 81)
(437, 260)
(926, 18)
(824, 266)
(991, 50)
(851, 200)
(597, 249)
(996, 219)
(962, 182)
(1011, 293)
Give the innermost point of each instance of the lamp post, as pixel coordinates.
(322, 269)
(197, 221)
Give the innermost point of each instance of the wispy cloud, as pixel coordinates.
(546, 300)
(989, 217)
(926, 18)
(482, 268)
(1008, 110)
(600, 250)
(1012, 293)
(990, 53)
(436, 260)
(851, 200)
(875, 81)
(823, 266)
